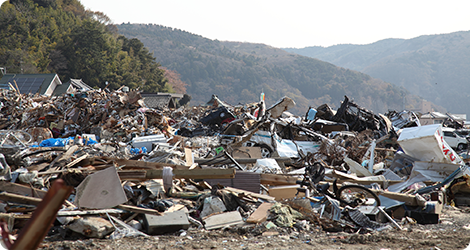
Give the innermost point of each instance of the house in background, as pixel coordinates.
(439, 118)
(43, 84)
(72, 86)
(161, 100)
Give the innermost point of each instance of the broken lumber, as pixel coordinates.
(16, 198)
(261, 213)
(275, 179)
(244, 192)
(140, 210)
(409, 199)
(139, 164)
(20, 189)
(194, 173)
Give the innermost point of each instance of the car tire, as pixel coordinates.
(266, 151)
(461, 147)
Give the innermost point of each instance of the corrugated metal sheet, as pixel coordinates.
(248, 181)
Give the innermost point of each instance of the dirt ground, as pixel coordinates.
(453, 232)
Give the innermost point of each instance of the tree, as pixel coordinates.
(175, 81)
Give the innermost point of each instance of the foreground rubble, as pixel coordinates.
(100, 170)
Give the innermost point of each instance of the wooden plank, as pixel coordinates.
(140, 210)
(275, 179)
(16, 188)
(188, 156)
(409, 199)
(89, 212)
(140, 164)
(241, 191)
(20, 199)
(285, 192)
(194, 173)
(261, 213)
(240, 160)
(76, 161)
(132, 174)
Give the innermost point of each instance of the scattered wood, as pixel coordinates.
(139, 210)
(248, 193)
(260, 214)
(20, 189)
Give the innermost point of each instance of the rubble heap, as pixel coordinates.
(100, 164)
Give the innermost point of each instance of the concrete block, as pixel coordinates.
(167, 223)
(93, 227)
(221, 220)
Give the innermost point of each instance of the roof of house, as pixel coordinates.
(78, 84)
(29, 83)
(160, 100)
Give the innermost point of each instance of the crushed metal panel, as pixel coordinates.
(278, 108)
(427, 171)
(426, 143)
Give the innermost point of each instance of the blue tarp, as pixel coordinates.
(61, 142)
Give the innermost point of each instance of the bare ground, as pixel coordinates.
(453, 232)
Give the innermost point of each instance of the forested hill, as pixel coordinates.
(433, 66)
(238, 72)
(61, 36)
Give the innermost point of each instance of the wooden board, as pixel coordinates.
(261, 213)
(20, 189)
(20, 199)
(276, 179)
(188, 156)
(138, 164)
(193, 173)
(285, 192)
(240, 191)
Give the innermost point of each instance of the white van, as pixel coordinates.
(455, 140)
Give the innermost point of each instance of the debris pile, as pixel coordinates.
(101, 164)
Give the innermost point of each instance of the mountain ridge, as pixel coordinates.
(432, 66)
(238, 72)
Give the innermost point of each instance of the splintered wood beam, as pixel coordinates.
(244, 192)
(16, 198)
(140, 210)
(194, 173)
(140, 164)
(15, 188)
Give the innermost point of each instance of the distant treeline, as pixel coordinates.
(60, 36)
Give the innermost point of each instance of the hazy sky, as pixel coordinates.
(294, 23)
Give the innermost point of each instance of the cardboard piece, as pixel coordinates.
(101, 190)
